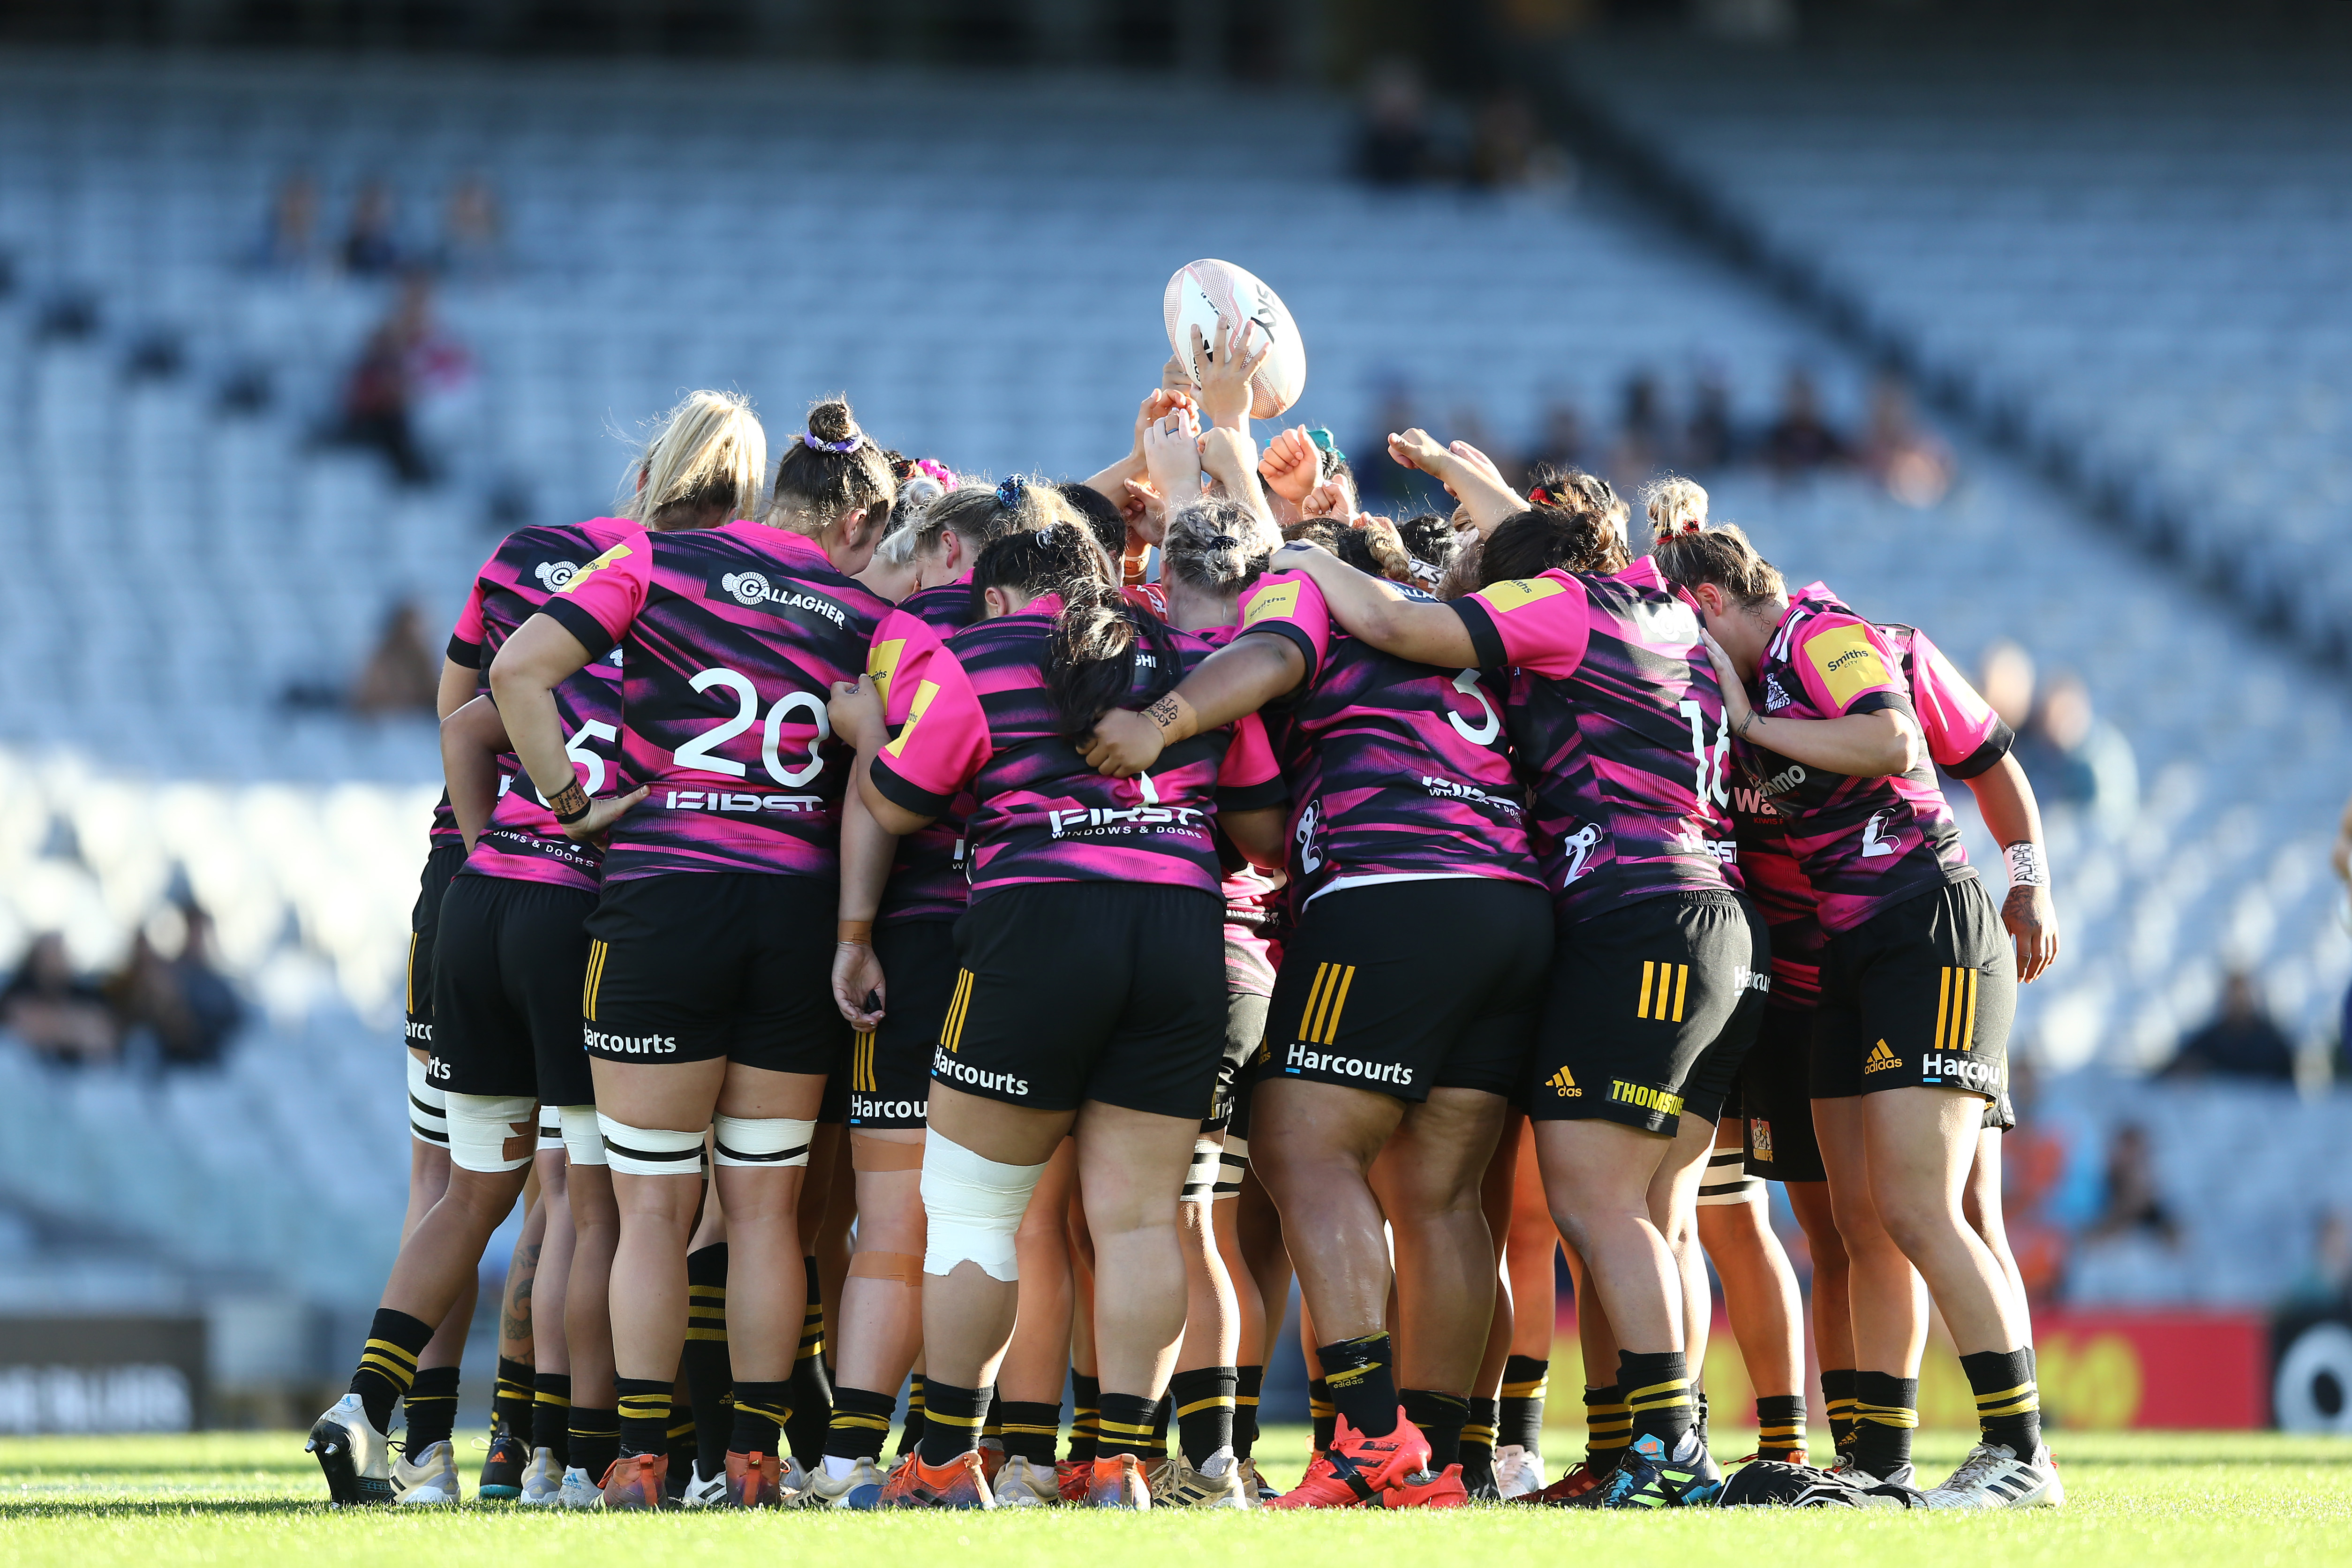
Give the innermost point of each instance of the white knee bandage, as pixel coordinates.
(428, 1107)
(584, 1140)
(649, 1151)
(1201, 1176)
(760, 1141)
(1233, 1166)
(972, 1207)
(551, 1127)
(492, 1132)
(1726, 1180)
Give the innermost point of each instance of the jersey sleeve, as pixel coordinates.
(466, 640)
(903, 642)
(1292, 607)
(1249, 778)
(1540, 623)
(943, 742)
(603, 596)
(1847, 666)
(1965, 736)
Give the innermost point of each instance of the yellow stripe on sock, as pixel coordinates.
(1215, 1402)
(854, 1419)
(1885, 1415)
(1535, 1390)
(555, 1400)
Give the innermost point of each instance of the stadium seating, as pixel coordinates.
(980, 266)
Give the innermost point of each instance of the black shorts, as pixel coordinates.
(1776, 1092)
(698, 964)
(889, 1075)
(1068, 992)
(507, 990)
(1921, 993)
(424, 938)
(1641, 1000)
(1403, 987)
(1245, 1034)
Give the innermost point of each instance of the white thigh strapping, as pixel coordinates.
(428, 1107)
(760, 1141)
(492, 1133)
(584, 1140)
(649, 1151)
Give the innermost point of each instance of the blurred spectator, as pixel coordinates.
(184, 1004)
(1709, 442)
(1915, 468)
(2240, 1041)
(2133, 1206)
(290, 239)
(403, 674)
(2006, 680)
(371, 247)
(1802, 440)
(2326, 1283)
(1561, 441)
(472, 236)
(1394, 147)
(2076, 758)
(55, 1011)
(1641, 433)
(409, 367)
(1508, 149)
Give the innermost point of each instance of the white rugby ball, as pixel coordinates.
(1205, 292)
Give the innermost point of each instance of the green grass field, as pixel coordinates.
(2215, 1500)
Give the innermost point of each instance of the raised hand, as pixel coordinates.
(1226, 368)
(1291, 466)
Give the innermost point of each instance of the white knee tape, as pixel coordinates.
(972, 1207)
(760, 1141)
(551, 1127)
(649, 1151)
(428, 1107)
(1201, 1176)
(584, 1140)
(492, 1132)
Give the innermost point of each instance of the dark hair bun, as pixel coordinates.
(832, 421)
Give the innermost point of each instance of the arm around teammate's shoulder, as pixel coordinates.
(1371, 609)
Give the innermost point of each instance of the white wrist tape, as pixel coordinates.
(649, 1151)
(2025, 867)
(492, 1133)
(972, 1207)
(428, 1107)
(584, 1140)
(760, 1141)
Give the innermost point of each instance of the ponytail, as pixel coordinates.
(1212, 545)
(1090, 656)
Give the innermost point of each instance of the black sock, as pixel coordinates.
(760, 1411)
(992, 1428)
(645, 1414)
(596, 1442)
(1441, 1417)
(861, 1419)
(432, 1401)
(1203, 1401)
(551, 1415)
(1478, 1441)
(1518, 1420)
(952, 1418)
(709, 1374)
(1607, 1428)
(1781, 1427)
(2009, 1403)
(1086, 1417)
(1030, 1429)
(812, 1389)
(510, 1402)
(1362, 1379)
(1320, 1411)
(684, 1447)
(1657, 1391)
(1127, 1420)
(910, 1433)
(388, 1364)
(1837, 1404)
(1248, 1380)
(1885, 1411)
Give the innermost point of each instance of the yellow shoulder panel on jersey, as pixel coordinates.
(923, 695)
(882, 663)
(598, 564)
(1518, 593)
(1274, 602)
(1847, 661)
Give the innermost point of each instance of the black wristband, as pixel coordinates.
(566, 796)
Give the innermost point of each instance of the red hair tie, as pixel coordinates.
(1540, 496)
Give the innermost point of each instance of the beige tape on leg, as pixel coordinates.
(904, 1267)
(867, 1152)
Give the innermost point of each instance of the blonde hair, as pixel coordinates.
(707, 454)
(1676, 505)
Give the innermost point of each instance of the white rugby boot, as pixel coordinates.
(356, 1457)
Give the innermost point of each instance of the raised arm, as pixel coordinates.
(1373, 610)
(1482, 492)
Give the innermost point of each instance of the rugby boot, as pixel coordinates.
(1427, 1489)
(753, 1481)
(1262, 1490)
(430, 1482)
(1117, 1482)
(1022, 1482)
(793, 1479)
(638, 1481)
(1517, 1471)
(1355, 1469)
(701, 1490)
(579, 1489)
(961, 1484)
(543, 1480)
(1993, 1476)
(1650, 1475)
(1573, 1490)
(860, 1489)
(1071, 1477)
(502, 1466)
(355, 1456)
(1219, 1481)
(991, 1458)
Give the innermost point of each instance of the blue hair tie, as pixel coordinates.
(851, 444)
(1009, 493)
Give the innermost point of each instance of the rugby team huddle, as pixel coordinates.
(982, 939)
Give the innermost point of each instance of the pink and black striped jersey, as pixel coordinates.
(524, 840)
(1396, 769)
(1617, 722)
(926, 878)
(1860, 845)
(981, 720)
(732, 638)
